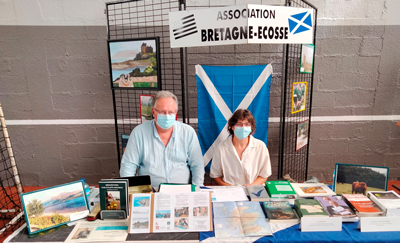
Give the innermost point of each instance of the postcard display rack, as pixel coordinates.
(149, 19)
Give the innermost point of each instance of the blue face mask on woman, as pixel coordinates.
(165, 121)
(242, 132)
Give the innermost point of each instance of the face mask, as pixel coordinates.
(165, 121)
(242, 132)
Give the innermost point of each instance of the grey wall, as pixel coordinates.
(61, 73)
(357, 72)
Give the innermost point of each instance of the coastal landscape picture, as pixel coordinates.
(51, 207)
(134, 63)
(299, 94)
(358, 179)
(145, 108)
(307, 58)
(302, 134)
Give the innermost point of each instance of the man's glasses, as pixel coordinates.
(165, 112)
(243, 124)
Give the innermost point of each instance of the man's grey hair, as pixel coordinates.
(164, 94)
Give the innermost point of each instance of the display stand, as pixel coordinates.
(145, 19)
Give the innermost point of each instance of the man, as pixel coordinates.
(165, 149)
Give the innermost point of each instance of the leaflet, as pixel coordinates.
(99, 230)
(182, 212)
(140, 208)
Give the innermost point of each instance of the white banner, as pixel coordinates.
(241, 24)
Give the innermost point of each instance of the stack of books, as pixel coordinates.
(309, 208)
(362, 205)
(280, 190)
(337, 208)
(280, 212)
(388, 201)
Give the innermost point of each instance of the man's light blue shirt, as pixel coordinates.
(164, 164)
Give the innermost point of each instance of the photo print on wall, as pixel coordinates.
(145, 108)
(134, 63)
(302, 134)
(306, 58)
(299, 95)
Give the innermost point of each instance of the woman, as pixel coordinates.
(241, 160)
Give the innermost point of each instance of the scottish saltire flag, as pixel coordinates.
(221, 90)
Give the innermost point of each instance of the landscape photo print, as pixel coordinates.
(299, 94)
(307, 58)
(358, 179)
(145, 108)
(302, 134)
(48, 208)
(134, 63)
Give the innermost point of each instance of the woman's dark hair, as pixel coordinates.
(242, 114)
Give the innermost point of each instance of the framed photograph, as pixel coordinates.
(51, 207)
(306, 58)
(358, 179)
(305, 190)
(135, 63)
(145, 108)
(302, 134)
(299, 95)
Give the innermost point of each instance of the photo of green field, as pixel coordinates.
(346, 188)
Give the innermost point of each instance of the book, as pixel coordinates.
(388, 201)
(239, 219)
(309, 208)
(337, 208)
(280, 189)
(258, 193)
(362, 205)
(280, 212)
(113, 194)
(311, 190)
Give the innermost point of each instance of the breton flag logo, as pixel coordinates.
(185, 27)
(300, 22)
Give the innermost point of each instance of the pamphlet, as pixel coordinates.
(177, 212)
(140, 213)
(232, 194)
(170, 212)
(99, 230)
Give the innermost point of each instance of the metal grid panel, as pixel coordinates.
(292, 162)
(11, 215)
(141, 19)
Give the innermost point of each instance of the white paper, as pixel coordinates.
(140, 213)
(182, 212)
(377, 224)
(315, 224)
(175, 188)
(99, 230)
(232, 194)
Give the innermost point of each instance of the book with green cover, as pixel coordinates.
(113, 195)
(309, 208)
(280, 189)
(280, 212)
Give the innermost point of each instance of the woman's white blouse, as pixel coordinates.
(255, 162)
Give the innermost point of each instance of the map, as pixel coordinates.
(239, 219)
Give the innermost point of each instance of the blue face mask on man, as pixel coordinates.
(165, 121)
(242, 132)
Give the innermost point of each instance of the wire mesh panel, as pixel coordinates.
(142, 19)
(293, 159)
(11, 215)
